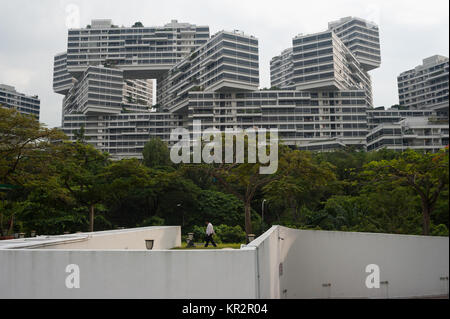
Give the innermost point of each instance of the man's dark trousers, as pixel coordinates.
(209, 238)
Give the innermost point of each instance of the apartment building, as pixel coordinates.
(227, 62)
(321, 96)
(106, 79)
(321, 61)
(419, 133)
(141, 52)
(361, 37)
(380, 115)
(281, 70)
(336, 59)
(63, 81)
(426, 86)
(25, 104)
(122, 135)
(303, 119)
(115, 113)
(138, 92)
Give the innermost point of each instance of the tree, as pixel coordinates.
(80, 135)
(302, 179)
(81, 169)
(129, 191)
(244, 180)
(426, 174)
(22, 140)
(156, 153)
(24, 148)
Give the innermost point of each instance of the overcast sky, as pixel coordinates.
(32, 32)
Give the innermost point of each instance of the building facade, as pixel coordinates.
(380, 115)
(418, 133)
(362, 38)
(426, 86)
(336, 59)
(141, 52)
(281, 70)
(320, 100)
(303, 119)
(25, 104)
(122, 135)
(228, 61)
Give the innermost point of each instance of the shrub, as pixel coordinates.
(199, 233)
(152, 221)
(230, 234)
(439, 230)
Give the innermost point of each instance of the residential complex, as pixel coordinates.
(322, 62)
(122, 135)
(227, 62)
(281, 69)
(361, 37)
(143, 52)
(139, 92)
(24, 104)
(335, 59)
(421, 133)
(302, 118)
(380, 115)
(321, 96)
(426, 86)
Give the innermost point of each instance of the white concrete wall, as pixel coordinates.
(37, 273)
(412, 265)
(268, 256)
(165, 237)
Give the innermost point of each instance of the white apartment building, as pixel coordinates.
(304, 119)
(321, 97)
(419, 133)
(122, 135)
(227, 62)
(138, 92)
(380, 115)
(25, 104)
(63, 81)
(141, 52)
(335, 59)
(426, 86)
(321, 61)
(98, 91)
(361, 37)
(281, 69)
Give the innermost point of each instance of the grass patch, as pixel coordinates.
(201, 246)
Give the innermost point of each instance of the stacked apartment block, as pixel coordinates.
(22, 103)
(321, 95)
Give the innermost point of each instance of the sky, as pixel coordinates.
(33, 31)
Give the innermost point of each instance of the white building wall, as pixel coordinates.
(128, 274)
(412, 265)
(282, 263)
(164, 237)
(268, 256)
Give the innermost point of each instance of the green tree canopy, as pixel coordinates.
(156, 153)
(425, 173)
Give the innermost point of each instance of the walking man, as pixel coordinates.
(209, 234)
